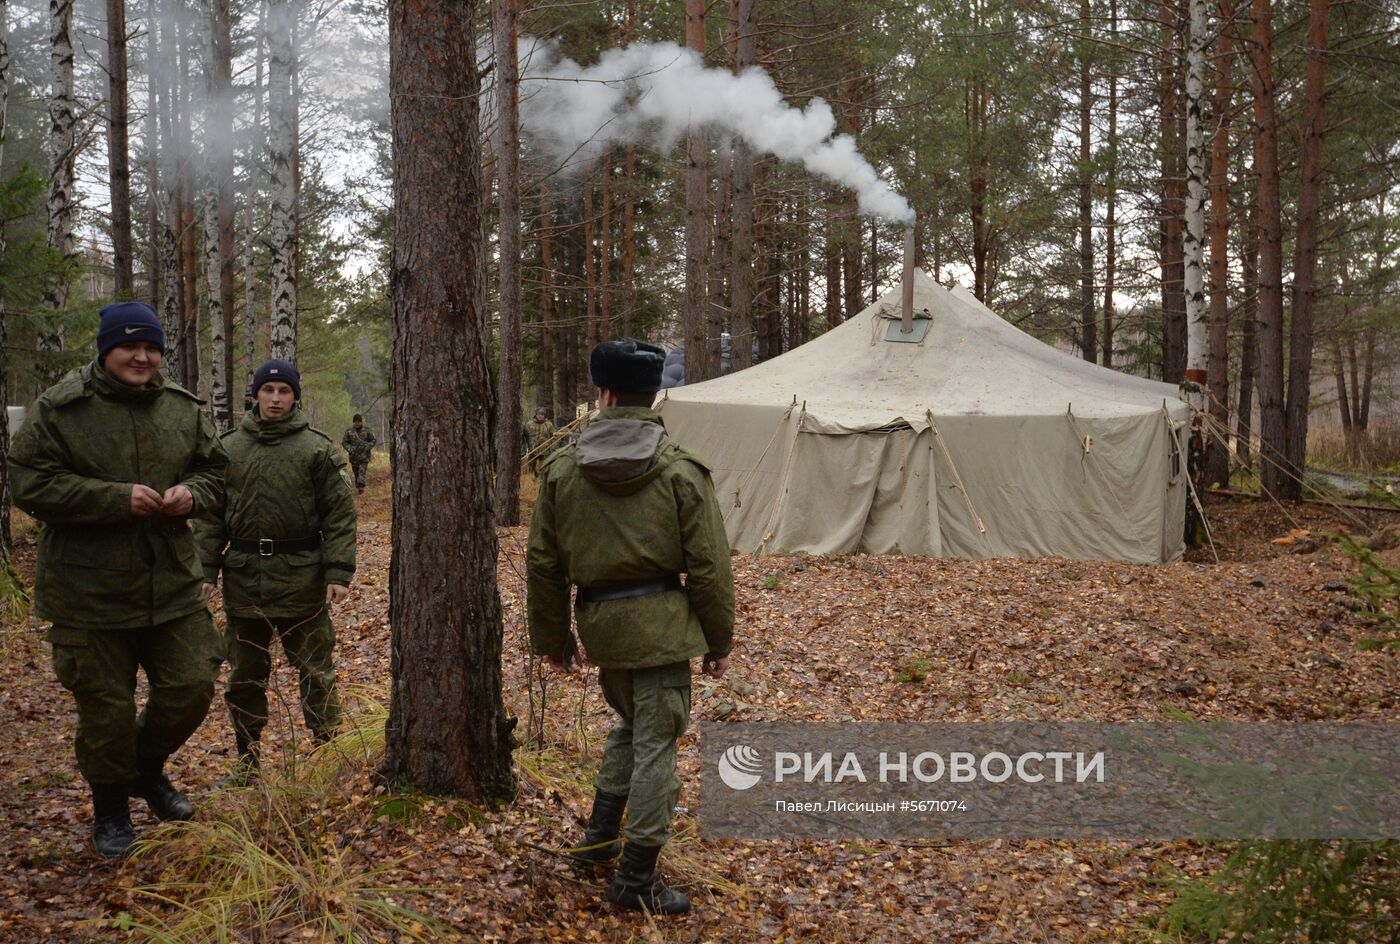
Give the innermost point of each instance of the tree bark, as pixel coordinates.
(1088, 320)
(1300, 348)
(171, 298)
(832, 251)
(505, 15)
(154, 278)
(1194, 236)
(1272, 435)
(697, 215)
(1249, 347)
(447, 732)
(218, 227)
(257, 150)
(190, 333)
(1173, 205)
(742, 280)
(118, 162)
(1217, 459)
(5, 542)
(63, 148)
(282, 183)
(1111, 213)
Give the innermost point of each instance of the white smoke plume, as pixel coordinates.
(653, 93)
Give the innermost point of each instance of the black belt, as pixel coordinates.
(266, 547)
(624, 591)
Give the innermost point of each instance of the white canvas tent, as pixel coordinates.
(978, 441)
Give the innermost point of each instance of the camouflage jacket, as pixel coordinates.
(625, 505)
(285, 481)
(358, 444)
(88, 439)
(537, 432)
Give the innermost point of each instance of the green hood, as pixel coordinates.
(618, 452)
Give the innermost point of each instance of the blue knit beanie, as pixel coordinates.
(123, 322)
(278, 370)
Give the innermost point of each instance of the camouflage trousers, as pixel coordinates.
(181, 659)
(309, 642)
(361, 470)
(639, 758)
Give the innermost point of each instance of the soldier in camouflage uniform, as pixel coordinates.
(285, 542)
(538, 431)
(358, 443)
(112, 461)
(622, 514)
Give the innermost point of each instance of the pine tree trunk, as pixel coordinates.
(832, 250)
(742, 279)
(720, 304)
(694, 316)
(1217, 460)
(504, 15)
(1272, 435)
(63, 147)
(5, 542)
(118, 162)
(1249, 337)
(629, 248)
(1111, 214)
(282, 184)
(219, 209)
(1088, 320)
(447, 731)
(547, 340)
(1300, 348)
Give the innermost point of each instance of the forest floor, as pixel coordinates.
(1264, 634)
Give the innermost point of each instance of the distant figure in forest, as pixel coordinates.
(621, 515)
(538, 431)
(358, 443)
(113, 460)
(284, 540)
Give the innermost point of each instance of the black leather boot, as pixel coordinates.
(245, 768)
(112, 835)
(160, 795)
(600, 846)
(637, 885)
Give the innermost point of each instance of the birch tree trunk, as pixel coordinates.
(118, 162)
(697, 215)
(505, 18)
(256, 151)
(1194, 237)
(1300, 348)
(154, 279)
(170, 296)
(1173, 276)
(218, 210)
(1272, 436)
(62, 208)
(447, 732)
(282, 146)
(1249, 340)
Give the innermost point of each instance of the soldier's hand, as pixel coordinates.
(335, 593)
(208, 593)
(176, 501)
(714, 666)
(145, 501)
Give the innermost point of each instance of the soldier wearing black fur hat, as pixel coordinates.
(622, 515)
